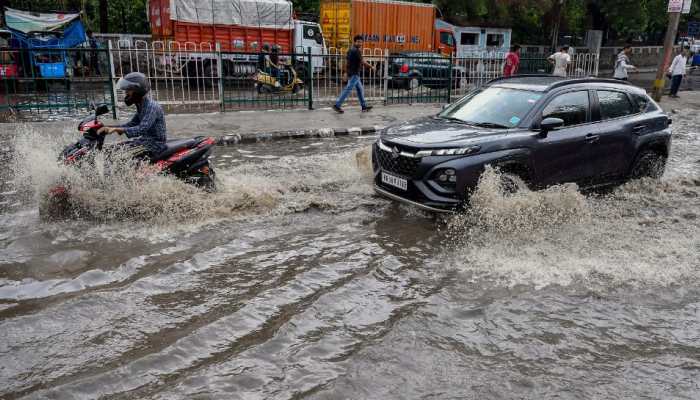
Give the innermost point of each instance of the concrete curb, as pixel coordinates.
(232, 140)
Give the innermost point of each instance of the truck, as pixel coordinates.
(398, 26)
(239, 27)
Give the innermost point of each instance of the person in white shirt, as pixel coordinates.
(561, 61)
(677, 70)
(622, 65)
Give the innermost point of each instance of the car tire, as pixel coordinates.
(413, 82)
(649, 164)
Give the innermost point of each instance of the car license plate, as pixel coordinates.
(395, 181)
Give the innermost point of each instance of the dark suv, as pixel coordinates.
(541, 129)
(409, 70)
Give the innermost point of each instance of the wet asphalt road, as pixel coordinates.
(295, 281)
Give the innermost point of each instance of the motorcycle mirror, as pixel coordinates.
(101, 109)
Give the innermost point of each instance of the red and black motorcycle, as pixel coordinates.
(186, 159)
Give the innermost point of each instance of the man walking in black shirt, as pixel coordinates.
(355, 63)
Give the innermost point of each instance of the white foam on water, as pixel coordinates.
(643, 233)
(117, 191)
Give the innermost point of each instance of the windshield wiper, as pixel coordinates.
(455, 119)
(487, 125)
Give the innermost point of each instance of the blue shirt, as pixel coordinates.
(148, 126)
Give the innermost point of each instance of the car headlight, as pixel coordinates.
(462, 151)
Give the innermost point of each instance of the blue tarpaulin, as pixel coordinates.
(45, 31)
(73, 35)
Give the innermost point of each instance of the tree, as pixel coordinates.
(104, 16)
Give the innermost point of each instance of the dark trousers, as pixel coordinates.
(676, 84)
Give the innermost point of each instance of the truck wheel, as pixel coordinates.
(296, 89)
(649, 164)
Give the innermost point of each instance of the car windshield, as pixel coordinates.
(493, 107)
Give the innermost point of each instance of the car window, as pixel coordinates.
(494, 107)
(572, 107)
(641, 103)
(614, 104)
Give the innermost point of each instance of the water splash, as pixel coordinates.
(118, 190)
(642, 233)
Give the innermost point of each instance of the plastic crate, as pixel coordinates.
(52, 70)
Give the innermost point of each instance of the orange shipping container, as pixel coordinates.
(394, 25)
(212, 30)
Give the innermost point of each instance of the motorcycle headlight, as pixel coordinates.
(461, 151)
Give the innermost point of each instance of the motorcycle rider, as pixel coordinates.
(275, 69)
(147, 126)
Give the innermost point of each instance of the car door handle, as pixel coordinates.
(591, 138)
(639, 128)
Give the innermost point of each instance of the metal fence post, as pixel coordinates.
(449, 79)
(386, 76)
(112, 89)
(219, 72)
(310, 78)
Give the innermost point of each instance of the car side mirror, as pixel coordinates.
(101, 109)
(550, 124)
(444, 106)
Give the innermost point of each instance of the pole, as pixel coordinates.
(112, 89)
(557, 24)
(673, 20)
(309, 77)
(220, 74)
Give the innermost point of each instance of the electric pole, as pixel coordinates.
(673, 20)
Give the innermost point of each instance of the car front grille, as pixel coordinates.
(398, 164)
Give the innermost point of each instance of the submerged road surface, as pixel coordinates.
(295, 281)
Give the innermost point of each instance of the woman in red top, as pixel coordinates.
(512, 61)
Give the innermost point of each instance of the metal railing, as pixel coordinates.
(192, 77)
(47, 82)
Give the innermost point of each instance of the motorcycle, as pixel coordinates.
(186, 159)
(267, 83)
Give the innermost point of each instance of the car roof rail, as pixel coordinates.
(558, 81)
(574, 81)
(503, 78)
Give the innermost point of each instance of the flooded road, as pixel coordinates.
(295, 281)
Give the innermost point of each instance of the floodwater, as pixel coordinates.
(295, 281)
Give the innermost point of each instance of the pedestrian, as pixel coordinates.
(561, 61)
(512, 61)
(677, 70)
(622, 65)
(354, 63)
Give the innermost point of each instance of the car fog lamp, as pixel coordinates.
(447, 175)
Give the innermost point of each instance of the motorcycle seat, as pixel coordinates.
(173, 146)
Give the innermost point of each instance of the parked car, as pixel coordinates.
(540, 129)
(409, 70)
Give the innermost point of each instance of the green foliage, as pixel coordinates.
(125, 16)
(532, 21)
